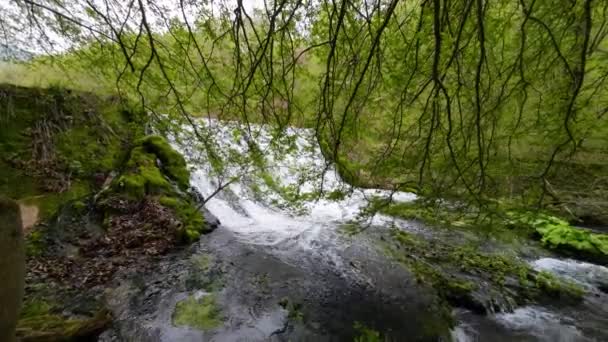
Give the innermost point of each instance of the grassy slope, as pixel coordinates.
(53, 142)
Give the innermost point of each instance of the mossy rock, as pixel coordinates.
(42, 321)
(193, 222)
(155, 169)
(575, 241)
(144, 176)
(200, 313)
(455, 273)
(173, 163)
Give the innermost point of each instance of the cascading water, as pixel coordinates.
(258, 214)
(588, 322)
(272, 219)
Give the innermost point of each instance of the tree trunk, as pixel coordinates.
(12, 268)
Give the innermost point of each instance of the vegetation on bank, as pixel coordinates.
(504, 223)
(97, 184)
(559, 235)
(455, 272)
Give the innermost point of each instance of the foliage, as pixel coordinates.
(294, 310)
(54, 142)
(488, 222)
(558, 234)
(475, 99)
(144, 176)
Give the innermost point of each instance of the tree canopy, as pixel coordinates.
(483, 98)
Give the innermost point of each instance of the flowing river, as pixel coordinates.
(333, 286)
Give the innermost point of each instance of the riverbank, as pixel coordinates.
(116, 251)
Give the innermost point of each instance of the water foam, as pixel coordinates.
(294, 161)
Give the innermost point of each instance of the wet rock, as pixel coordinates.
(210, 219)
(287, 295)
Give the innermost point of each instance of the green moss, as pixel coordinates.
(237, 135)
(269, 181)
(449, 269)
(366, 334)
(556, 287)
(86, 152)
(35, 243)
(85, 137)
(203, 275)
(144, 177)
(193, 222)
(170, 202)
(350, 229)
(173, 163)
(79, 206)
(14, 183)
(49, 203)
(428, 270)
(199, 313)
(574, 240)
(202, 262)
(43, 320)
(555, 233)
(132, 185)
(336, 195)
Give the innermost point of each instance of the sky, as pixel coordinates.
(15, 31)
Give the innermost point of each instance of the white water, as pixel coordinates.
(271, 220)
(588, 275)
(540, 323)
(296, 162)
(537, 323)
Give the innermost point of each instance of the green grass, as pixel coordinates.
(48, 75)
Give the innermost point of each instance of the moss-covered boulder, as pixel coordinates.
(12, 267)
(154, 169)
(172, 163)
(152, 164)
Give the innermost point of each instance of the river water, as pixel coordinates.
(260, 216)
